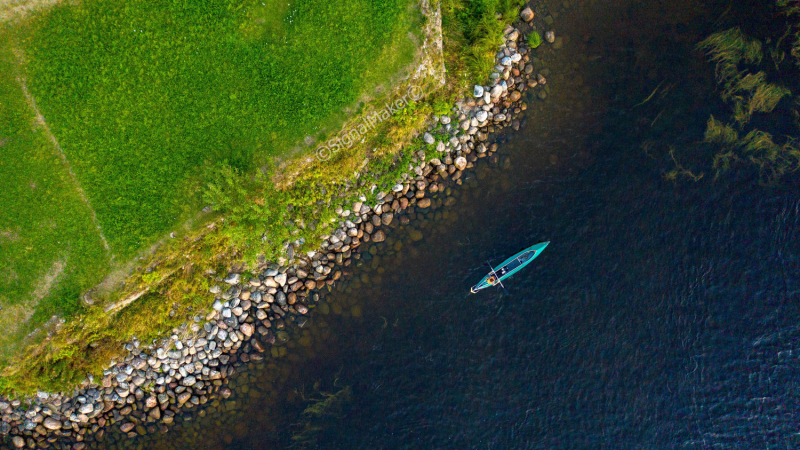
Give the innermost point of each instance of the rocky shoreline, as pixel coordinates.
(250, 316)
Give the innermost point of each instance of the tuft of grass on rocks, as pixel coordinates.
(474, 30)
(534, 39)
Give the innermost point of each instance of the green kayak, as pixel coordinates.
(509, 267)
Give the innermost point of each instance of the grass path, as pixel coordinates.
(59, 151)
(13, 10)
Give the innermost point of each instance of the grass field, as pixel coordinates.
(146, 100)
(146, 97)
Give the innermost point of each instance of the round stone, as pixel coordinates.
(52, 424)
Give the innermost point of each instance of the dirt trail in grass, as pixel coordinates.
(16, 316)
(11, 10)
(42, 123)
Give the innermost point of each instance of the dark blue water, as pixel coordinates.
(662, 315)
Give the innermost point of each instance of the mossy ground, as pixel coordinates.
(258, 211)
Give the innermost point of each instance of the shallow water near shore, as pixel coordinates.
(661, 315)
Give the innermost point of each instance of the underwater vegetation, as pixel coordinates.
(751, 86)
(792, 10)
(773, 159)
(322, 413)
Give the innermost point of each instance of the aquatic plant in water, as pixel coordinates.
(756, 147)
(321, 413)
(727, 49)
(750, 93)
(792, 10)
(534, 39)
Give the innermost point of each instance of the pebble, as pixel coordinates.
(460, 163)
(233, 278)
(246, 329)
(526, 14)
(477, 91)
(52, 424)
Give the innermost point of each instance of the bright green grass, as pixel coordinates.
(475, 32)
(146, 96)
(43, 221)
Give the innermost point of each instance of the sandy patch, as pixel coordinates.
(13, 10)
